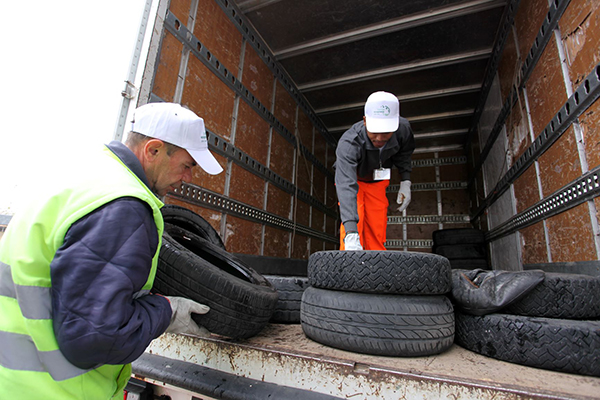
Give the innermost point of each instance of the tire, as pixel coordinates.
(460, 251)
(567, 296)
(476, 263)
(555, 344)
(378, 324)
(241, 301)
(290, 290)
(458, 236)
(189, 220)
(386, 272)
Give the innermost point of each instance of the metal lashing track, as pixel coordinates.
(585, 95)
(434, 162)
(180, 31)
(218, 202)
(577, 192)
(226, 149)
(428, 219)
(557, 8)
(411, 244)
(430, 186)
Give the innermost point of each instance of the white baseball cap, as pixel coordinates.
(172, 123)
(382, 112)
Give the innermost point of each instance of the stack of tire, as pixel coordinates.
(290, 290)
(555, 326)
(464, 247)
(193, 263)
(387, 303)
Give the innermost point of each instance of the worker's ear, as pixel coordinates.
(153, 148)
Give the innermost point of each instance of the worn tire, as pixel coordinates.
(460, 251)
(189, 220)
(378, 324)
(555, 344)
(290, 290)
(568, 296)
(390, 272)
(474, 263)
(241, 301)
(457, 236)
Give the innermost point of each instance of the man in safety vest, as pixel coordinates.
(77, 264)
(364, 156)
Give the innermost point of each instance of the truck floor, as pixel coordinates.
(282, 354)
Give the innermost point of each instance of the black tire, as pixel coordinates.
(290, 290)
(476, 263)
(189, 220)
(390, 272)
(458, 236)
(555, 344)
(568, 296)
(460, 251)
(378, 324)
(241, 301)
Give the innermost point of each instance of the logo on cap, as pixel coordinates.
(382, 111)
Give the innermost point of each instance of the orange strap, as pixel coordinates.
(372, 204)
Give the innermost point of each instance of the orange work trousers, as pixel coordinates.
(372, 205)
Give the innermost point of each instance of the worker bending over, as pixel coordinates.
(364, 156)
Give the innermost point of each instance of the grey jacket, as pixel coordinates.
(357, 158)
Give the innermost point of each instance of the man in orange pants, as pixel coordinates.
(365, 154)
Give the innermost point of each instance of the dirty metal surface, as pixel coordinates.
(282, 354)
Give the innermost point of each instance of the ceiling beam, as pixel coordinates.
(394, 25)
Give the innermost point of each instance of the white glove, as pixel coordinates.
(181, 319)
(403, 195)
(352, 241)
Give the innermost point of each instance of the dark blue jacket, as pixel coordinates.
(108, 253)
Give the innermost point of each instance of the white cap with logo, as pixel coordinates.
(172, 123)
(382, 112)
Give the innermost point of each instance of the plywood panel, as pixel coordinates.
(528, 21)
(301, 213)
(533, 244)
(167, 70)
(279, 202)
(394, 231)
(257, 77)
(305, 130)
(242, 236)
(285, 108)
(218, 34)
(319, 186)
(277, 242)
(526, 189)
(519, 138)
(332, 200)
(301, 247)
(246, 187)
(332, 226)
(207, 96)
(509, 67)
(216, 183)
(320, 149)
(571, 237)
(181, 9)
(580, 30)
(457, 172)
(422, 203)
(560, 164)
(252, 133)
(422, 231)
(455, 202)
(546, 88)
(317, 220)
(316, 245)
(590, 126)
(282, 157)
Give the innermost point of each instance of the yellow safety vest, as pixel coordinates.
(31, 364)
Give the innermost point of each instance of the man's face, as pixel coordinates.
(169, 170)
(378, 139)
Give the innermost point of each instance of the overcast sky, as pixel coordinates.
(63, 68)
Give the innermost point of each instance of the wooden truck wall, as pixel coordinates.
(276, 196)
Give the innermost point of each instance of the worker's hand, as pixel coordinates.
(181, 319)
(403, 195)
(352, 241)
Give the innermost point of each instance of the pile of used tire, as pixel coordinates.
(193, 263)
(464, 247)
(387, 303)
(554, 325)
